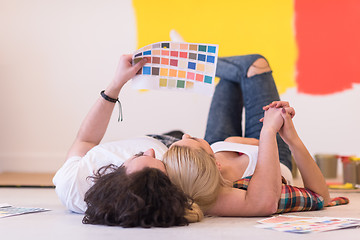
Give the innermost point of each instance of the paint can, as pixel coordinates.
(351, 169)
(327, 164)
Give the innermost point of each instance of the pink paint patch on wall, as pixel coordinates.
(328, 45)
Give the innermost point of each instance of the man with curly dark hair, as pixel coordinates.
(146, 198)
(138, 193)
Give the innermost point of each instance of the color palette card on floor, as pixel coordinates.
(7, 210)
(177, 66)
(298, 224)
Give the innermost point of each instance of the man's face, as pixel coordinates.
(142, 160)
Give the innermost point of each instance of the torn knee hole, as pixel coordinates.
(258, 67)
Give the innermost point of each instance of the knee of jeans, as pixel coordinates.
(258, 67)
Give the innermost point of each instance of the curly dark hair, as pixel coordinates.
(144, 198)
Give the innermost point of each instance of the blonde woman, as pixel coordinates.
(246, 176)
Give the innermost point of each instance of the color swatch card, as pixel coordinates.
(297, 224)
(177, 66)
(8, 211)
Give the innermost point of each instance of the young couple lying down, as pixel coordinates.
(166, 180)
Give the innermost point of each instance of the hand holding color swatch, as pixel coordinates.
(177, 66)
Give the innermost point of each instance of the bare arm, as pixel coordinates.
(265, 185)
(310, 172)
(263, 193)
(94, 126)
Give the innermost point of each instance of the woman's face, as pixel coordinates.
(194, 142)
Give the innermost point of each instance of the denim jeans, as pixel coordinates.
(236, 92)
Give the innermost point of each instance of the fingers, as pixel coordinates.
(139, 65)
(280, 104)
(289, 110)
(127, 57)
(272, 110)
(276, 104)
(125, 70)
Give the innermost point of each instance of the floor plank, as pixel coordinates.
(17, 179)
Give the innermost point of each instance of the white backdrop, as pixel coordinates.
(56, 57)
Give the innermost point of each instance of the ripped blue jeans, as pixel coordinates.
(236, 92)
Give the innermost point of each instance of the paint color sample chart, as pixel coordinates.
(177, 66)
(8, 211)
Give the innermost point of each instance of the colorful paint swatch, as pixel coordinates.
(173, 62)
(148, 59)
(164, 72)
(165, 45)
(172, 72)
(199, 77)
(181, 74)
(155, 71)
(192, 65)
(201, 57)
(165, 52)
(193, 47)
(155, 60)
(184, 46)
(202, 48)
(182, 63)
(163, 82)
(171, 83)
(210, 59)
(180, 84)
(190, 75)
(208, 79)
(211, 49)
(183, 54)
(156, 52)
(146, 70)
(174, 53)
(136, 60)
(192, 56)
(209, 69)
(175, 45)
(200, 67)
(177, 66)
(189, 84)
(165, 61)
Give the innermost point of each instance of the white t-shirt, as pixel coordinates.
(252, 152)
(71, 180)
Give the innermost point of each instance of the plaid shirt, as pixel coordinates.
(295, 199)
(165, 139)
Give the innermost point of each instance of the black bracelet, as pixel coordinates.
(113, 100)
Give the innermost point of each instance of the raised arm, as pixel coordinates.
(310, 172)
(94, 126)
(265, 186)
(264, 190)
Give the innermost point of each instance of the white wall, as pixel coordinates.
(55, 58)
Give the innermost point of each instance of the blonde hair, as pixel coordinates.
(195, 172)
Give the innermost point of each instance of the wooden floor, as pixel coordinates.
(11, 179)
(60, 224)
